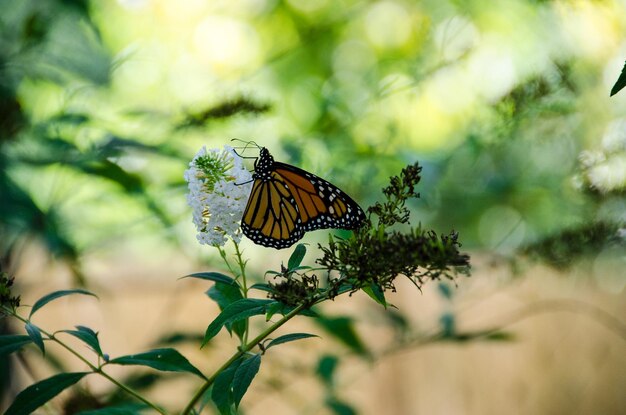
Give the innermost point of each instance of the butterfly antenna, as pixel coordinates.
(247, 143)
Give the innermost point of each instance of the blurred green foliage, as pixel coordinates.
(497, 101)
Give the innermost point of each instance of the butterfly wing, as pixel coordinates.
(285, 202)
(321, 205)
(271, 216)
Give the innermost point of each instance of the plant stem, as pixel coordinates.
(244, 288)
(94, 368)
(243, 284)
(240, 352)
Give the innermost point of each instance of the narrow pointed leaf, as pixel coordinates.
(221, 394)
(296, 257)
(376, 294)
(342, 328)
(236, 311)
(88, 336)
(224, 295)
(212, 276)
(326, 368)
(38, 394)
(261, 287)
(339, 407)
(57, 294)
(289, 338)
(621, 82)
(128, 409)
(35, 336)
(168, 360)
(246, 371)
(12, 343)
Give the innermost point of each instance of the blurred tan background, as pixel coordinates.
(565, 354)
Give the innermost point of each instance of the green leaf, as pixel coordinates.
(244, 374)
(500, 336)
(236, 311)
(296, 257)
(178, 337)
(340, 408)
(448, 325)
(88, 336)
(168, 360)
(621, 82)
(125, 409)
(289, 338)
(212, 276)
(12, 343)
(376, 294)
(57, 294)
(445, 290)
(38, 394)
(342, 328)
(221, 393)
(326, 368)
(261, 287)
(224, 295)
(35, 335)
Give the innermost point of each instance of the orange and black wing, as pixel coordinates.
(290, 202)
(271, 216)
(321, 205)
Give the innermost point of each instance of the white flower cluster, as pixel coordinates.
(219, 187)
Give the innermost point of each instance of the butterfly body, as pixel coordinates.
(286, 201)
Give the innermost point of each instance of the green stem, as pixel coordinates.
(244, 287)
(240, 352)
(94, 368)
(243, 284)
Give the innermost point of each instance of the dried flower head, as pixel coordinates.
(376, 255)
(5, 291)
(219, 187)
(293, 288)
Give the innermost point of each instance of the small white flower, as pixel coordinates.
(219, 187)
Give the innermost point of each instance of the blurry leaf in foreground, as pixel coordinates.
(342, 328)
(38, 394)
(483, 335)
(12, 343)
(339, 407)
(179, 338)
(326, 368)
(621, 82)
(126, 409)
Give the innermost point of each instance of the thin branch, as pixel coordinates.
(93, 368)
(242, 350)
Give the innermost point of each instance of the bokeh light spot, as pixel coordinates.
(388, 25)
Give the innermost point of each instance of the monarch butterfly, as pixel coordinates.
(285, 202)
